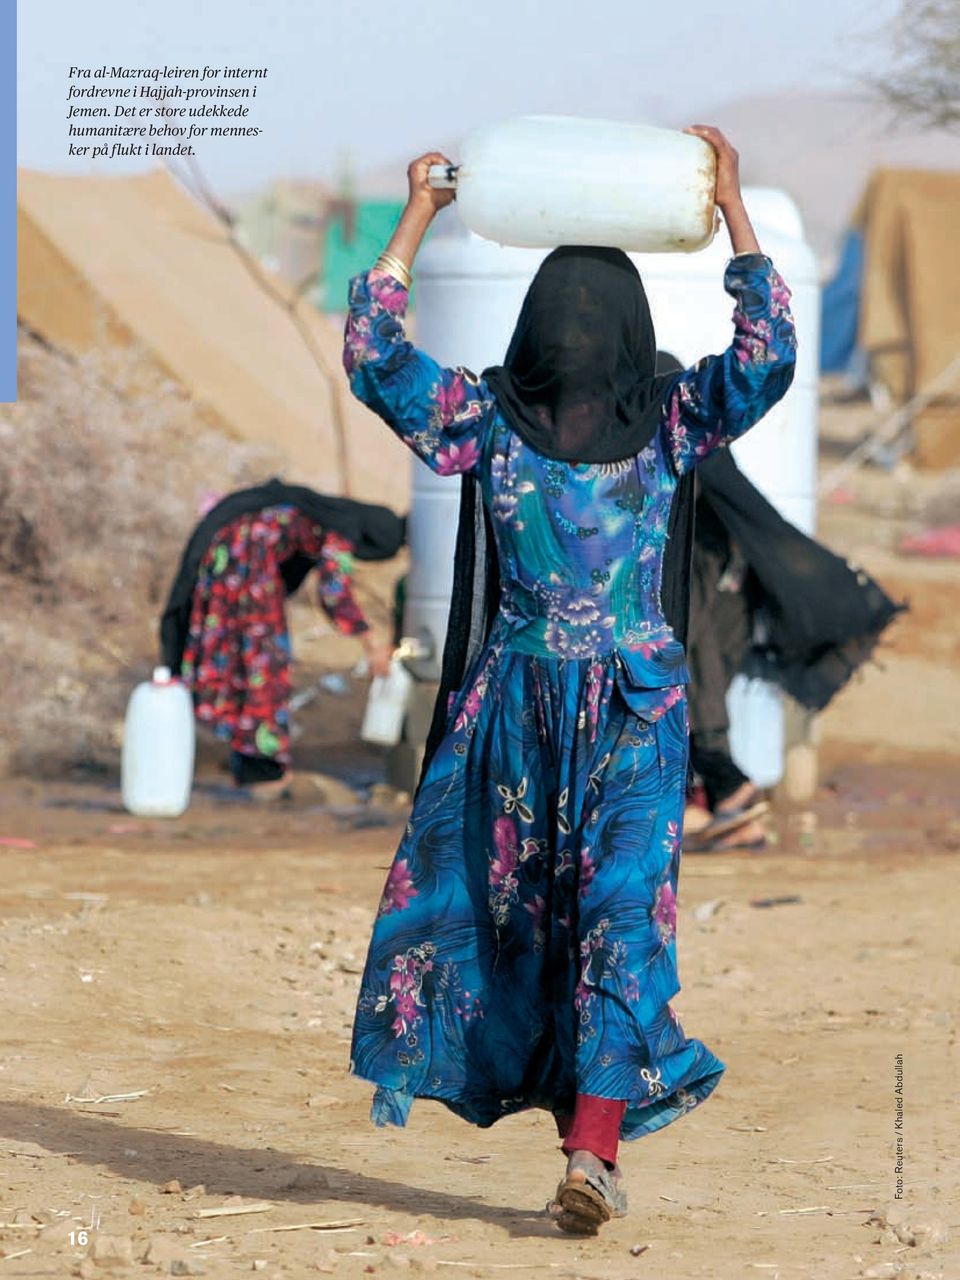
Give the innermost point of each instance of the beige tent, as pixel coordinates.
(121, 264)
(910, 297)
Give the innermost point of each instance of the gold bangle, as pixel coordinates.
(394, 267)
(397, 268)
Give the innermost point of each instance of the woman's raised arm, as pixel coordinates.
(722, 396)
(442, 414)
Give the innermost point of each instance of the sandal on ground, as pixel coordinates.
(583, 1204)
(724, 824)
(749, 837)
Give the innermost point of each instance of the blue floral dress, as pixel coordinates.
(525, 947)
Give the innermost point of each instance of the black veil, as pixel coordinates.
(579, 383)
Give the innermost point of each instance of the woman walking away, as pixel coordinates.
(224, 628)
(524, 953)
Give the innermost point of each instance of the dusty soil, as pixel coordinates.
(211, 963)
(176, 1000)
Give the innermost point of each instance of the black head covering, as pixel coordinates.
(579, 380)
(376, 533)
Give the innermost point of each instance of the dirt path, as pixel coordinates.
(212, 962)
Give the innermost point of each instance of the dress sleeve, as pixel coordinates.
(334, 570)
(722, 396)
(442, 414)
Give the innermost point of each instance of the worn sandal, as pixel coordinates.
(583, 1205)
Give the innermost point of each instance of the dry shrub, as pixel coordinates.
(99, 486)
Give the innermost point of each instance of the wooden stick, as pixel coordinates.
(108, 1097)
(228, 1210)
(348, 1224)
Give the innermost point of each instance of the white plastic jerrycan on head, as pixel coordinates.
(156, 765)
(541, 181)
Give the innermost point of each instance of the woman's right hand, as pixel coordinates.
(422, 195)
(728, 164)
(378, 652)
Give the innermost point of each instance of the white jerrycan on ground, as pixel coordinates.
(159, 742)
(541, 181)
(757, 742)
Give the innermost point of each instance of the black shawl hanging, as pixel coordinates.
(579, 383)
(819, 618)
(376, 533)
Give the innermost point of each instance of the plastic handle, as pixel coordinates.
(443, 176)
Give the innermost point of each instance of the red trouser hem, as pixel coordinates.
(594, 1126)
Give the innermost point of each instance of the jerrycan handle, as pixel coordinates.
(443, 177)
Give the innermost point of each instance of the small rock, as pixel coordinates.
(161, 1251)
(137, 1208)
(111, 1251)
(304, 1177)
(706, 910)
(187, 1267)
(171, 1188)
(885, 1271)
(923, 1233)
(637, 1249)
(259, 1264)
(323, 1100)
(198, 1190)
(58, 1234)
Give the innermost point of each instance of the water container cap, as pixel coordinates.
(162, 675)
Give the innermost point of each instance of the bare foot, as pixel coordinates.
(275, 789)
(583, 1164)
(751, 835)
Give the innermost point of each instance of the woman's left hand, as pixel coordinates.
(728, 164)
(379, 654)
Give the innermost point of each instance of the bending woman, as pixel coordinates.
(524, 954)
(224, 629)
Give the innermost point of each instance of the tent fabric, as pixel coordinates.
(910, 298)
(840, 307)
(134, 265)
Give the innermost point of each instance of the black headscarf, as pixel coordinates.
(375, 532)
(579, 380)
(579, 383)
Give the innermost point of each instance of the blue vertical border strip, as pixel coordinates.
(8, 201)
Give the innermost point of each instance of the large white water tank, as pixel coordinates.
(691, 314)
(469, 292)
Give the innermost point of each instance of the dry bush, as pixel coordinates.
(99, 485)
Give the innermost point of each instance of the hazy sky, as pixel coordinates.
(378, 81)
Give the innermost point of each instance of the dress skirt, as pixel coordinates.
(525, 946)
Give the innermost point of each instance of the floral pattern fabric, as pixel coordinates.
(237, 656)
(525, 946)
